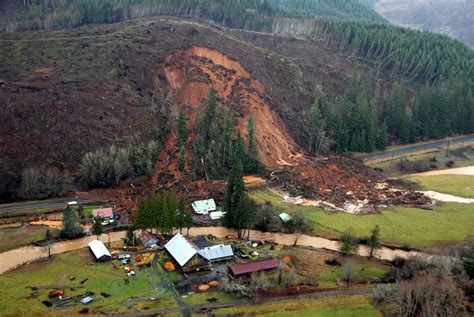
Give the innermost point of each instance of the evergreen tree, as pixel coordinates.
(348, 243)
(382, 137)
(399, 124)
(71, 224)
(235, 191)
(182, 129)
(315, 121)
(143, 218)
(374, 240)
(48, 237)
(130, 238)
(97, 228)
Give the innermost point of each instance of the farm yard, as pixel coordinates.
(76, 274)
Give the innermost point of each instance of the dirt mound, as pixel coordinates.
(345, 183)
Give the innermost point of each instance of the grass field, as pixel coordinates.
(458, 185)
(201, 298)
(337, 306)
(446, 223)
(12, 238)
(17, 300)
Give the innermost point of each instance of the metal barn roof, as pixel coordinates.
(99, 249)
(239, 269)
(180, 249)
(204, 206)
(147, 238)
(217, 252)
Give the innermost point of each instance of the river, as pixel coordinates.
(17, 257)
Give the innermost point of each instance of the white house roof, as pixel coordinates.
(98, 249)
(217, 252)
(180, 249)
(204, 206)
(285, 217)
(215, 215)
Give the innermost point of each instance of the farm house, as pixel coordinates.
(186, 255)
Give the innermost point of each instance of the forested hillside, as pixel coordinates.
(118, 80)
(420, 55)
(339, 9)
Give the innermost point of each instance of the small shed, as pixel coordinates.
(203, 207)
(216, 215)
(285, 217)
(216, 253)
(247, 268)
(148, 240)
(186, 254)
(99, 251)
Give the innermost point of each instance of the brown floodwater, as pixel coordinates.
(17, 257)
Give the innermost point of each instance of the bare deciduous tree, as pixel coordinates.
(427, 295)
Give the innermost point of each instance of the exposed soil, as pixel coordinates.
(191, 73)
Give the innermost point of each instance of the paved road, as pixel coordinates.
(422, 147)
(35, 205)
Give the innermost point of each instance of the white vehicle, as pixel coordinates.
(72, 203)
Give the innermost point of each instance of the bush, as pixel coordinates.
(450, 164)
(398, 261)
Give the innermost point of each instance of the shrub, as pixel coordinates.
(398, 261)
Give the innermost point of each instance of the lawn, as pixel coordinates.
(201, 298)
(339, 306)
(450, 222)
(16, 299)
(12, 238)
(310, 264)
(458, 185)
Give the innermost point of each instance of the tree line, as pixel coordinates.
(216, 139)
(163, 212)
(340, 9)
(419, 55)
(354, 122)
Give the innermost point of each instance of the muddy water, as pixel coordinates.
(14, 258)
(303, 240)
(469, 170)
